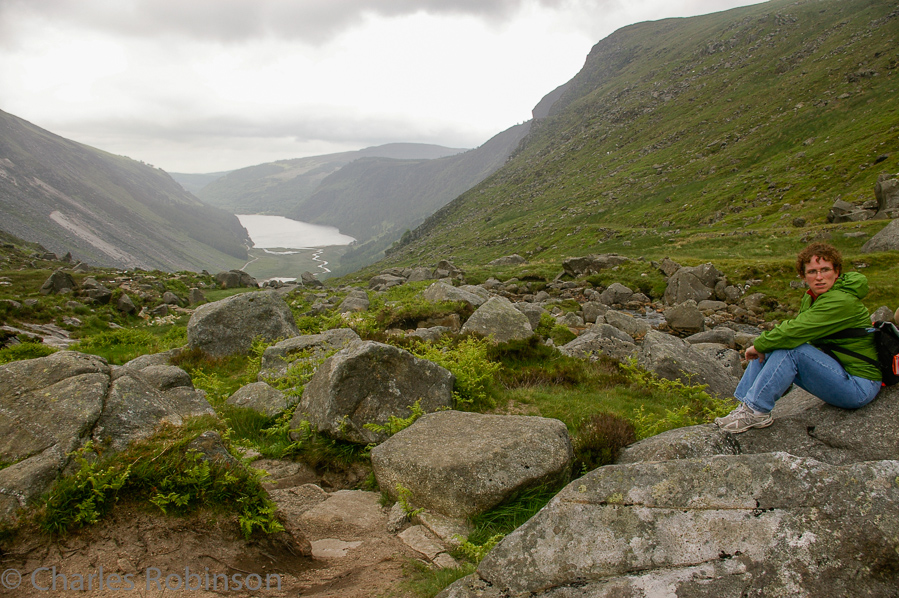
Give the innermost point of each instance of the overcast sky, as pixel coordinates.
(210, 85)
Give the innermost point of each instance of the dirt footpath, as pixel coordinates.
(338, 546)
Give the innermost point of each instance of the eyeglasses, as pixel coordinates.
(823, 271)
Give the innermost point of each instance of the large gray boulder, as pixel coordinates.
(886, 191)
(727, 358)
(603, 339)
(768, 524)
(303, 350)
(229, 326)
(95, 291)
(382, 282)
(721, 335)
(356, 300)
(627, 323)
(591, 264)
(594, 311)
(234, 279)
(134, 407)
(886, 240)
(59, 282)
(685, 317)
(51, 406)
(441, 291)
(674, 359)
(508, 260)
(615, 293)
(367, 383)
(420, 274)
(533, 311)
(696, 283)
(498, 318)
(460, 464)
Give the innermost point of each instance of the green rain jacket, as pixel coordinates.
(837, 309)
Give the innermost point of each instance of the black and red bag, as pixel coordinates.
(886, 341)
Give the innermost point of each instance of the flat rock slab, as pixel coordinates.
(354, 508)
(419, 539)
(330, 548)
(766, 524)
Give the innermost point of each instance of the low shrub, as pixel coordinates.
(25, 350)
(467, 357)
(163, 471)
(599, 439)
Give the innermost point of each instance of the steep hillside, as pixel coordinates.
(376, 199)
(107, 210)
(694, 137)
(276, 187)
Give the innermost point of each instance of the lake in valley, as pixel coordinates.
(285, 248)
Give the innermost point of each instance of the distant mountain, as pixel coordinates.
(107, 210)
(276, 187)
(376, 200)
(373, 194)
(193, 183)
(727, 134)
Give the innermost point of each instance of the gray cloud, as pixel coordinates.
(190, 142)
(312, 21)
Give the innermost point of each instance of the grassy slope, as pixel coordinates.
(689, 137)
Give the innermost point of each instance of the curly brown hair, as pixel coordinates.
(823, 251)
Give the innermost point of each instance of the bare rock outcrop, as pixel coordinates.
(886, 240)
(766, 524)
(805, 507)
(441, 291)
(306, 348)
(51, 406)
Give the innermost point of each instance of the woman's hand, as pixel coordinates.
(751, 354)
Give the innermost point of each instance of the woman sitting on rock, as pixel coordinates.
(788, 353)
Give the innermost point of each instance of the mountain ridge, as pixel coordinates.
(681, 131)
(107, 210)
(265, 188)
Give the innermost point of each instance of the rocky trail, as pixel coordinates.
(353, 555)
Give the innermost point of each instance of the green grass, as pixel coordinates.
(510, 515)
(124, 344)
(427, 583)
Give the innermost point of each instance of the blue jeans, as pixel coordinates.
(809, 368)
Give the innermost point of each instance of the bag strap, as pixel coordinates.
(831, 348)
(847, 333)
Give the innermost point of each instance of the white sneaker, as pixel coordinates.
(743, 418)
